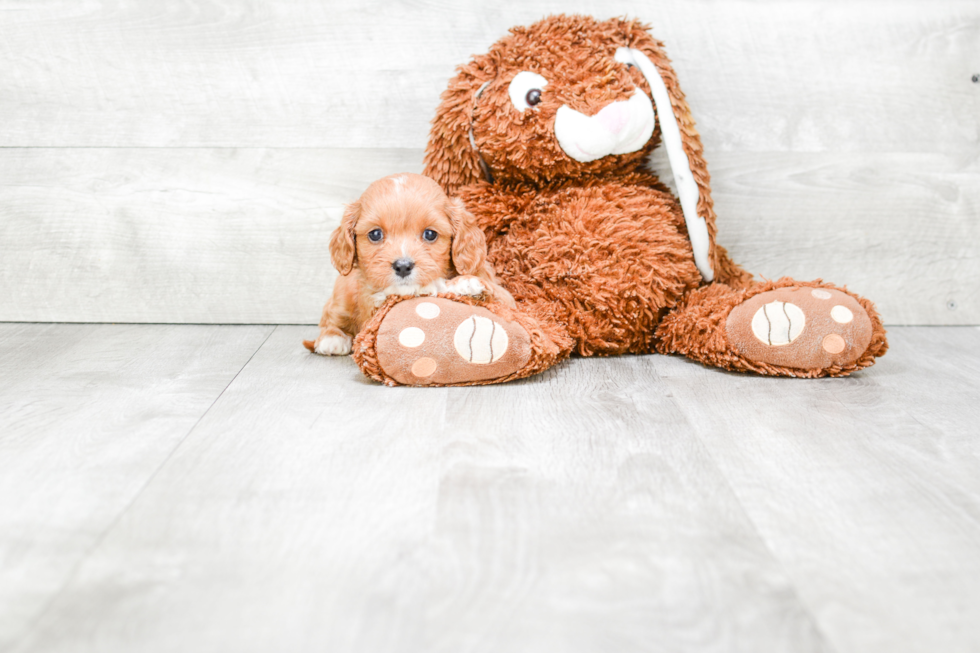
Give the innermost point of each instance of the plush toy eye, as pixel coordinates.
(375, 235)
(525, 90)
(430, 235)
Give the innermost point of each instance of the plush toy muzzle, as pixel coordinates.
(619, 128)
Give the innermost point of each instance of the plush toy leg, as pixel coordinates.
(781, 328)
(454, 340)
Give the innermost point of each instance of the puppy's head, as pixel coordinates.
(405, 232)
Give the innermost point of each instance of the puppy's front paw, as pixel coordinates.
(466, 285)
(332, 345)
(434, 288)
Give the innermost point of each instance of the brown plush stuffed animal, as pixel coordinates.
(545, 138)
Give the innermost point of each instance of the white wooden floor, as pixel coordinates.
(216, 488)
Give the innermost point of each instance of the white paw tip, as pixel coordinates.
(471, 287)
(427, 311)
(778, 323)
(841, 314)
(411, 337)
(480, 340)
(333, 346)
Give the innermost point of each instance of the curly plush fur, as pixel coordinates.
(598, 252)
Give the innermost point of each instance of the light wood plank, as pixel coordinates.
(866, 489)
(176, 235)
(901, 229)
(312, 510)
(867, 75)
(806, 147)
(87, 416)
(240, 235)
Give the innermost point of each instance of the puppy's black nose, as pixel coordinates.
(403, 266)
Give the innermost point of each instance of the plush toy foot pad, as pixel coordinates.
(436, 341)
(802, 328)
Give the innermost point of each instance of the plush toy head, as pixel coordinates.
(571, 98)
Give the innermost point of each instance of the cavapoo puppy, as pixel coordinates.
(403, 236)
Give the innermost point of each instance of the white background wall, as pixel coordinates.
(186, 160)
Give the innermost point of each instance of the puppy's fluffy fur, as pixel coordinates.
(405, 209)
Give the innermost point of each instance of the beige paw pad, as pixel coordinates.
(424, 367)
(427, 310)
(778, 323)
(411, 337)
(841, 314)
(800, 328)
(833, 344)
(480, 340)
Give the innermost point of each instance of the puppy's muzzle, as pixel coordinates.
(403, 267)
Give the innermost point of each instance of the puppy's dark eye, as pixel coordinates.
(629, 65)
(375, 235)
(430, 235)
(533, 97)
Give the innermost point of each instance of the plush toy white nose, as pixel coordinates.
(619, 128)
(614, 116)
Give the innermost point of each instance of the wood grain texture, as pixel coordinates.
(176, 235)
(312, 510)
(240, 235)
(194, 156)
(869, 76)
(901, 229)
(843, 141)
(88, 413)
(866, 490)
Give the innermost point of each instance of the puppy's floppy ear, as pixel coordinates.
(343, 250)
(450, 156)
(469, 244)
(682, 142)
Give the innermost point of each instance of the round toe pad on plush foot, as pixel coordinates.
(436, 341)
(800, 328)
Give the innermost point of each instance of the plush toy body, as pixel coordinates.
(545, 140)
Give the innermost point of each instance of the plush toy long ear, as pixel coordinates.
(451, 157)
(683, 145)
(343, 248)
